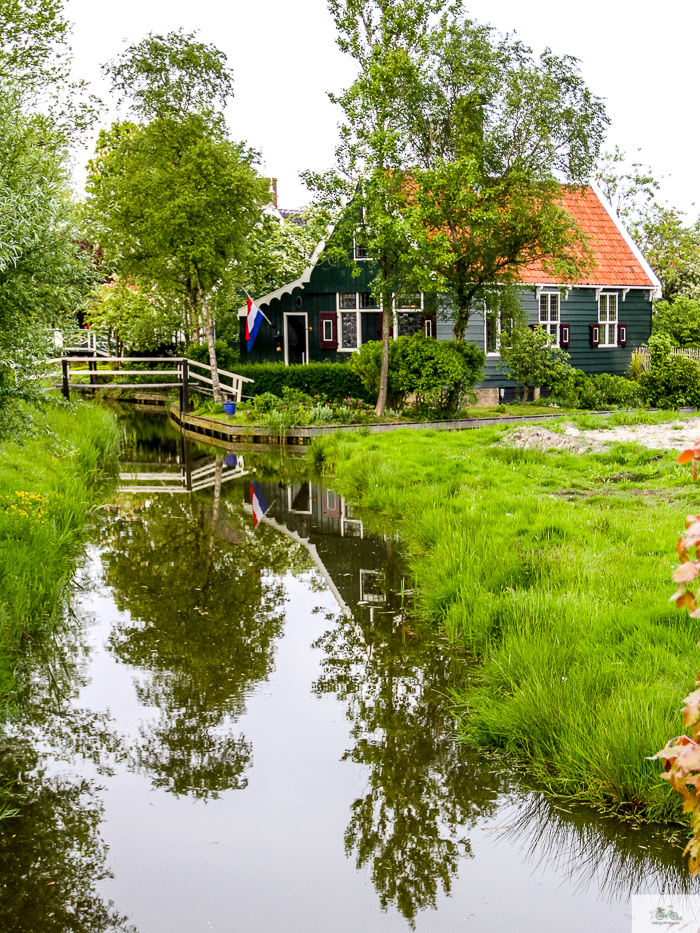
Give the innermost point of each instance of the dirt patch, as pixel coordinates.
(673, 435)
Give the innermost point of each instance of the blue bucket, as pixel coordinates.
(231, 460)
(229, 408)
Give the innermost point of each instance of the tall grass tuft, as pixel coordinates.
(48, 481)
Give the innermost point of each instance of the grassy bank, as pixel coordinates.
(48, 482)
(553, 570)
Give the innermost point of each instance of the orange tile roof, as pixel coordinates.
(616, 263)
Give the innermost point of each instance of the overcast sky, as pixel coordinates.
(641, 57)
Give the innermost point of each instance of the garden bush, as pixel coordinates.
(227, 356)
(604, 391)
(671, 383)
(438, 373)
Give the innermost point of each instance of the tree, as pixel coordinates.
(679, 320)
(492, 131)
(385, 38)
(530, 359)
(172, 200)
(669, 243)
(139, 319)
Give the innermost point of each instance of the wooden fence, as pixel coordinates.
(644, 356)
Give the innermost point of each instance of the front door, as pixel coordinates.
(296, 338)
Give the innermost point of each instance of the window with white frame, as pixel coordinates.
(347, 309)
(550, 317)
(607, 318)
(428, 327)
(409, 314)
(328, 331)
(359, 252)
(497, 326)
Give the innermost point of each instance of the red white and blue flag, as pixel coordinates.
(257, 500)
(253, 320)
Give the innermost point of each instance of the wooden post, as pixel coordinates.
(186, 461)
(185, 388)
(93, 368)
(65, 388)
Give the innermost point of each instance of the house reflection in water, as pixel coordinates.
(358, 568)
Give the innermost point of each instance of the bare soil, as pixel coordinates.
(673, 435)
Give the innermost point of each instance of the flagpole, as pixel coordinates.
(259, 309)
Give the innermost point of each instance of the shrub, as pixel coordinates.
(607, 391)
(437, 373)
(671, 382)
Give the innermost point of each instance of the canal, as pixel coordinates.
(242, 725)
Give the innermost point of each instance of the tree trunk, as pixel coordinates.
(526, 390)
(387, 322)
(209, 331)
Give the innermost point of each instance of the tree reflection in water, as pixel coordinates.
(51, 855)
(204, 599)
(423, 792)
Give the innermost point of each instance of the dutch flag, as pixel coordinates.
(257, 500)
(253, 321)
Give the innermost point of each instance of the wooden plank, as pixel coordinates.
(166, 477)
(151, 489)
(124, 372)
(123, 385)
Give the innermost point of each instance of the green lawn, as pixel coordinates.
(553, 570)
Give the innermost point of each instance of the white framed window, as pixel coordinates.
(328, 331)
(299, 499)
(408, 314)
(607, 318)
(359, 252)
(550, 314)
(428, 327)
(495, 324)
(347, 321)
(371, 587)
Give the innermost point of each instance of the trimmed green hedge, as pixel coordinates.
(333, 380)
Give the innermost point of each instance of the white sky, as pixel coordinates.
(640, 56)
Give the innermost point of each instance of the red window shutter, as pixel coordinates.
(565, 336)
(622, 335)
(534, 326)
(327, 318)
(595, 335)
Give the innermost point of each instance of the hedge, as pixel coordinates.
(333, 380)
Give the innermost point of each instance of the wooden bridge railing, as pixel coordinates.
(183, 369)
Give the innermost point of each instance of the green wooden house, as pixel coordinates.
(328, 312)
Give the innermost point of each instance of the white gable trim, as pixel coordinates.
(297, 283)
(638, 255)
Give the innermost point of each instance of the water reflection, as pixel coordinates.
(203, 604)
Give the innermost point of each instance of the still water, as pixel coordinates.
(241, 726)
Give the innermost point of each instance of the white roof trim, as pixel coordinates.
(638, 255)
(297, 283)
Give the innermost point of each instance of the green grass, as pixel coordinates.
(554, 570)
(48, 482)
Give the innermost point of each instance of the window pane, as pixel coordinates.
(367, 301)
(612, 307)
(348, 323)
(408, 301)
(544, 304)
(612, 335)
(554, 307)
(360, 252)
(348, 300)
(328, 330)
(491, 334)
(409, 323)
